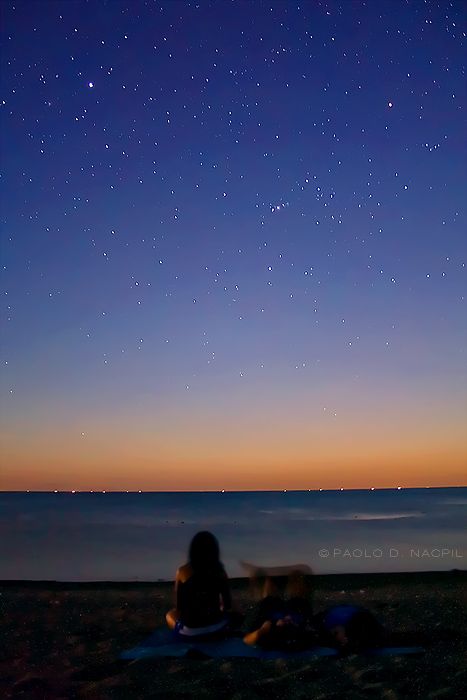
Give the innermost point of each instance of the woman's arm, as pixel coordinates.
(174, 614)
(178, 578)
(226, 596)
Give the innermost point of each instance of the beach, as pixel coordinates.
(62, 640)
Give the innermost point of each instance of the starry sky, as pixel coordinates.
(233, 244)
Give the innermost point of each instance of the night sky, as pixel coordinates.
(233, 244)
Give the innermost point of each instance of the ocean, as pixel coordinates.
(145, 536)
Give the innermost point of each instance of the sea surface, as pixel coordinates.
(145, 536)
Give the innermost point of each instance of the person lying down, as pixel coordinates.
(282, 620)
(284, 617)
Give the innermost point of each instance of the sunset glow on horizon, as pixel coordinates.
(326, 453)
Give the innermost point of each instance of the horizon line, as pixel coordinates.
(90, 583)
(305, 490)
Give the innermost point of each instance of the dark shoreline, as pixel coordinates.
(320, 581)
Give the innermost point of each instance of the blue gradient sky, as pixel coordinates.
(233, 245)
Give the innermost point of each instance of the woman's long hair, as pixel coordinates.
(204, 555)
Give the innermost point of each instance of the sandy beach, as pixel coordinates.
(62, 640)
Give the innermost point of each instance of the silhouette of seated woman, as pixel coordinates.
(202, 594)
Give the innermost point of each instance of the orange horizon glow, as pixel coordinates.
(148, 475)
(280, 442)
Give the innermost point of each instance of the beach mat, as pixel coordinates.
(164, 643)
(395, 651)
